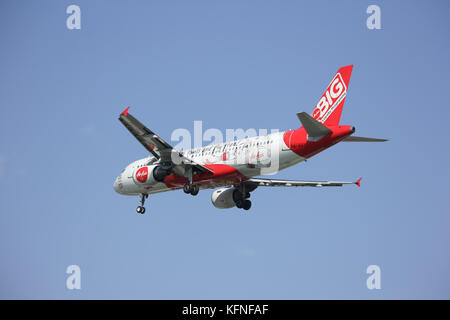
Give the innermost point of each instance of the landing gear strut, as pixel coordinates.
(141, 209)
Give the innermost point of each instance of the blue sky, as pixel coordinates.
(232, 64)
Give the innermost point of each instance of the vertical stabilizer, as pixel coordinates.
(329, 108)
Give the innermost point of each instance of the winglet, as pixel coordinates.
(125, 112)
(358, 182)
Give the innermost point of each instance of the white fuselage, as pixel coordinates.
(255, 156)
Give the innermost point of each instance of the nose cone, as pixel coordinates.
(117, 185)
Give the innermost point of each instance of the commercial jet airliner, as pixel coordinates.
(233, 166)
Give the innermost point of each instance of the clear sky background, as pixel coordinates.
(232, 64)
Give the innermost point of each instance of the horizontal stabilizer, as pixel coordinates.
(363, 139)
(314, 128)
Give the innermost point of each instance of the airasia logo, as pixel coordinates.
(142, 174)
(334, 94)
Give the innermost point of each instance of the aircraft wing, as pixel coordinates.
(297, 183)
(156, 145)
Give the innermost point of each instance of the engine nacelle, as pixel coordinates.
(223, 198)
(149, 175)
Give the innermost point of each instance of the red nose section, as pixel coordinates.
(358, 182)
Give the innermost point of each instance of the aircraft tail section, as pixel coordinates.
(329, 108)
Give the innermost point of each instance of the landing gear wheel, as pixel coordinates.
(246, 205)
(239, 204)
(140, 210)
(191, 188)
(194, 189)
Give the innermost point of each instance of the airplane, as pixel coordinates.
(233, 166)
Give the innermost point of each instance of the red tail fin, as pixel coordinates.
(329, 108)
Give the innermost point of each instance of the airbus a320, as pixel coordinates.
(233, 166)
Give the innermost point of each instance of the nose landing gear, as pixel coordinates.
(141, 209)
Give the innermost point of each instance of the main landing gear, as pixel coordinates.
(240, 197)
(141, 208)
(243, 204)
(191, 188)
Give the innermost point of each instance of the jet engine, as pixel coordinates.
(223, 198)
(229, 197)
(150, 175)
